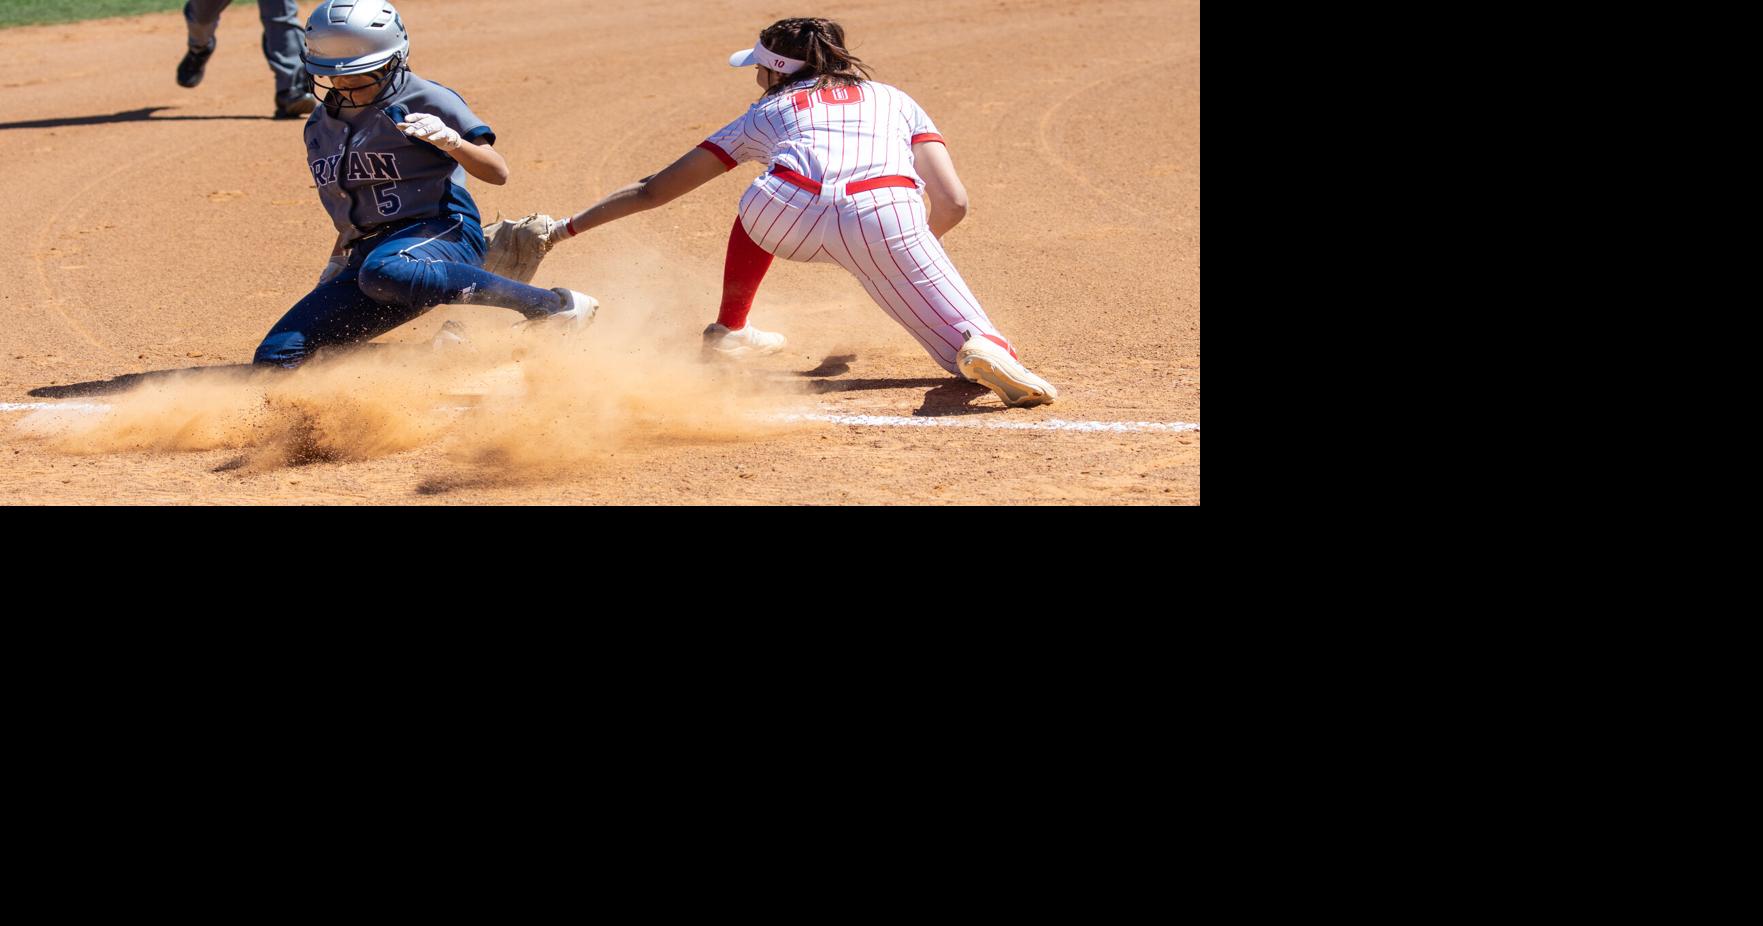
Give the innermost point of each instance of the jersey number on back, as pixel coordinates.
(831, 96)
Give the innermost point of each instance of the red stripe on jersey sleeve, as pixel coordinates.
(721, 155)
(929, 136)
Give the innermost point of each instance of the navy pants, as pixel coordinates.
(393, 278)
(284, 38)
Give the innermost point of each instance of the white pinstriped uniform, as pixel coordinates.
(835, 138)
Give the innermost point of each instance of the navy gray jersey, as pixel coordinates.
(369, 173)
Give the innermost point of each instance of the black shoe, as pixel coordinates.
(195, 61)
(297, 108)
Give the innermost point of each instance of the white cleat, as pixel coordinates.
(985, 362)
(741, 343)
(450, 337)
(579, 314)
(581, 311)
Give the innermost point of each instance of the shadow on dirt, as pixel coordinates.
(126, 382)
(861, 385)
(833, 365)
(145, 114)
(947, 395)
(954, 397)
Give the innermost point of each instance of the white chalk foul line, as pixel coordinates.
(46, 406)
(861, 421)
(1051, 424)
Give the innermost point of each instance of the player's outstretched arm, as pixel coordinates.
(690, 172)
(948, 198)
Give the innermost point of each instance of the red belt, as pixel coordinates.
(813, 186)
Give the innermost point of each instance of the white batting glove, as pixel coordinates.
(338, 263)
(432, 130)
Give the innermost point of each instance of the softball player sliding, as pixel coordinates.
(389, 154)
(847, 159)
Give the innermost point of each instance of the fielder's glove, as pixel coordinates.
(513, 249)
(432, 130)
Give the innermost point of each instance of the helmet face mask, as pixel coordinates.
(355, 37)
(387, 80)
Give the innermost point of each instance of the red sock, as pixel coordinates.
(742, 271)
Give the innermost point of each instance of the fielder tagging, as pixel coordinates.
(847, 158)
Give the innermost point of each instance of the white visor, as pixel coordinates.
(759, 54)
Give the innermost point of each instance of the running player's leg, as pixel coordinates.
(335, 313)
(201, 17)
(283, 41)
(437, 262)
(392, 282)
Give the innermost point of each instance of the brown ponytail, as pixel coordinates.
(819, 42)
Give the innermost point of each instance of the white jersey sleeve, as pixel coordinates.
(919, 121)
(745, 139)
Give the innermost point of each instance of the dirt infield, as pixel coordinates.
(158, 232)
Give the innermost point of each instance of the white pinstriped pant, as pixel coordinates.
(882, 238)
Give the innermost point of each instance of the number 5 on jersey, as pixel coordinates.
(388, 201)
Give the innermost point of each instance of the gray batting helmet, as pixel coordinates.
(354, 37)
